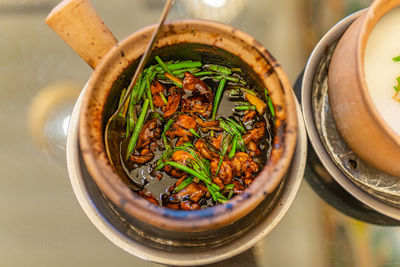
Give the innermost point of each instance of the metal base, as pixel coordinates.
(370, 186)
(119, 230)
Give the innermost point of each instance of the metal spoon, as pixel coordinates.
(116, 124)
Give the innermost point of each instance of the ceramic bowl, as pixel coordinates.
(192, 40)
(356, 117)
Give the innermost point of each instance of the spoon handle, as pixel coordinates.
(78, 24)
(147, 52)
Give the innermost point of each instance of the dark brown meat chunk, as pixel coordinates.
(192, 85)
(204, 150)
(225, 174)
(217, 141)
(187, 205)
(249, 115)
(255, 134)
(254, 150)
(182, 140)
(244, 165)
(173, 101)
(239, 188)
(181, 126)
(197, 105)
(198, 97)
(156, 89)
(181, 157)
(149, 197)
(151, 131)
(145, 156)
(193, 192)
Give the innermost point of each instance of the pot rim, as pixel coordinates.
(180, 220)
(370, 19)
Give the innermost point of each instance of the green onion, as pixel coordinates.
(396, 59)
(203, 73)
(164, 138)
(230, 194)
(183, 184)
(229, 186)
(225, 126)
(162, 64)
(234, 92)
(245, 107)
(157, 115)
(237, 125)
(194, 133)
(149, 95)
(163, 98)
(185, 169)
(247, 90)
(225, 144)
(181, 65)
(182, 71)
(229, 78)
(219, 165)
(270, 105)
(236, 70)
(220, 69)
(217, 98)
(396, 88)
(138, 127)
(233, 147)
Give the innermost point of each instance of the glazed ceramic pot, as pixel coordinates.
(356, 117)
(114, 64)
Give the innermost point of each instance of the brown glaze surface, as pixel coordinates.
(126, 52)
(356, 117)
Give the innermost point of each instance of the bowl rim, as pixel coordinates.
(370, 18)
(180, 220)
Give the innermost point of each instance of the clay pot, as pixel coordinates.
(185, 39)
(356, 117)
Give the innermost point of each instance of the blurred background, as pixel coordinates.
(41, 221)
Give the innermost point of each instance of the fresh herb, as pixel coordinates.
(138, 127)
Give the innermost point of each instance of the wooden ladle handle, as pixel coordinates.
(78, 24)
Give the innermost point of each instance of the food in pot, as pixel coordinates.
(196, 134)
(382, 68)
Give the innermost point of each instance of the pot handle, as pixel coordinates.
(78, 24)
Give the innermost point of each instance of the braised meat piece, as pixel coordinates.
(145, 156)
(192, 86)
(207, 126)
(182, 140)
(151, 131)
(204, 150)
(187, 205)
(252, 147)
(198, 97)
(225, 174)
(249, 115)
(181, 126)
(181, 157)
(156, 89)
(244, 166)
(217, 141)
(239, 188)
(197, 105)
(174, 99)
(193, 192)
(255, 134)
(149, 197)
